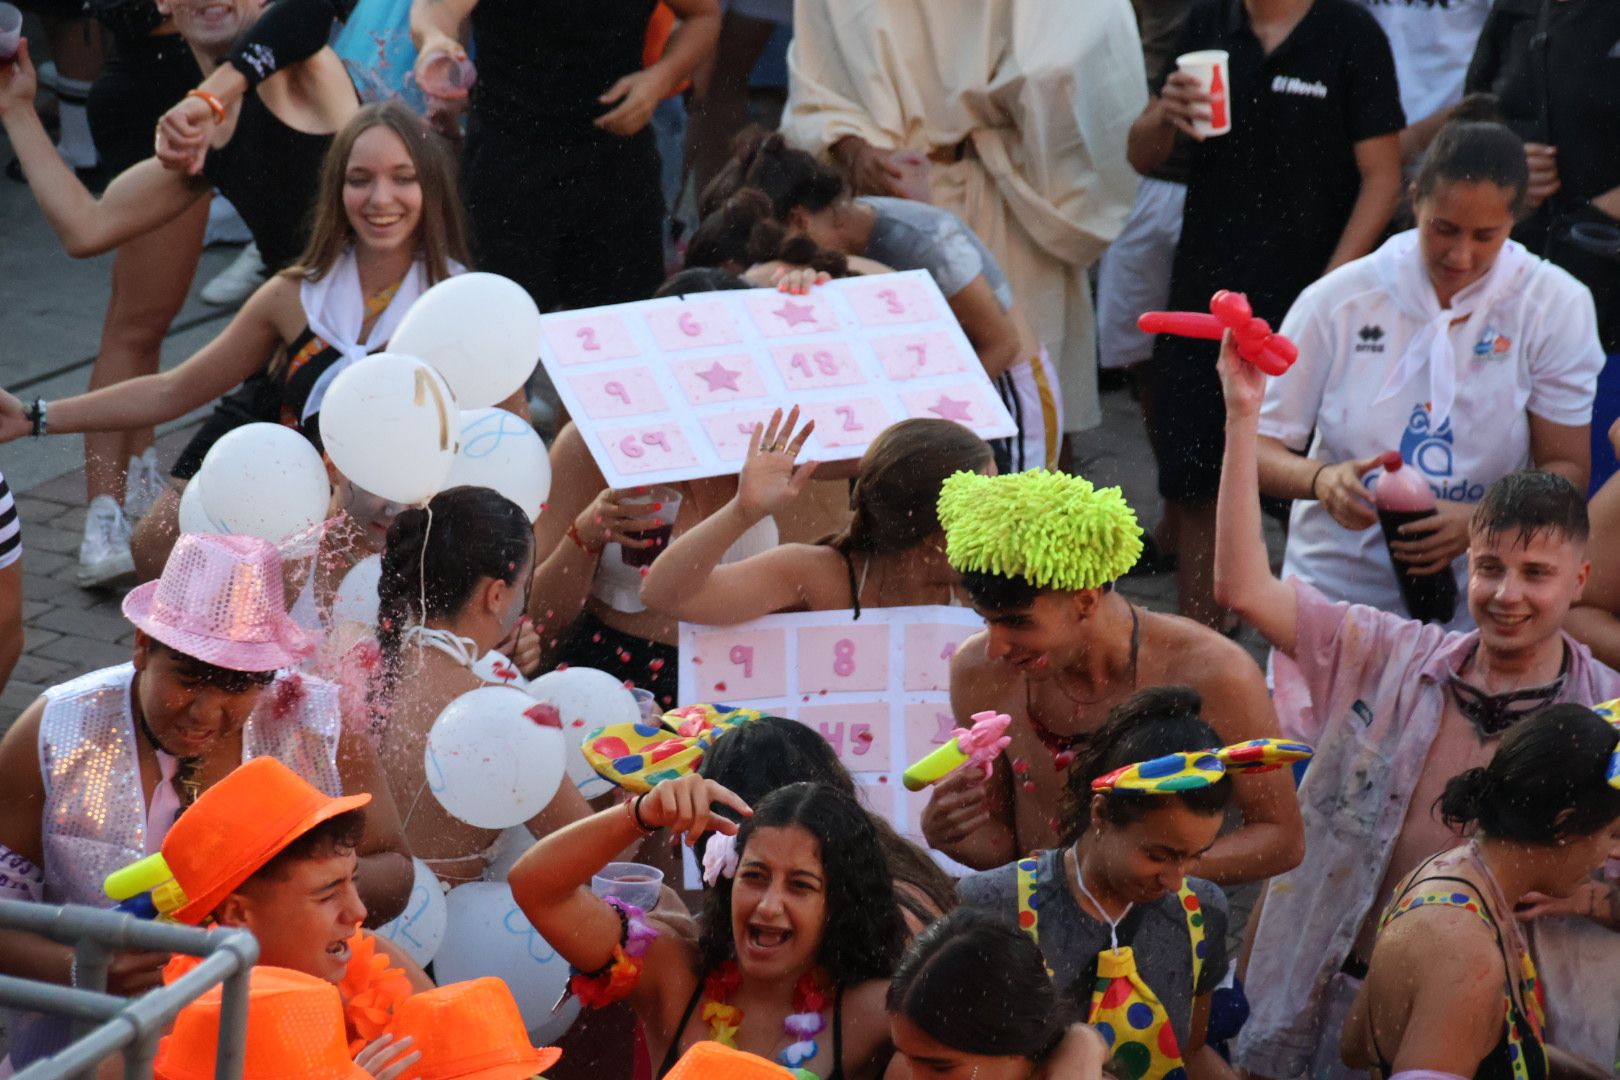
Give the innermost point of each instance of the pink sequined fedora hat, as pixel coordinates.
(220, 599)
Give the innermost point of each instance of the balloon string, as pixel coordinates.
(421, 567)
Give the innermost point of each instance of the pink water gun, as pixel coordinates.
(1271, 353)
(981, 744)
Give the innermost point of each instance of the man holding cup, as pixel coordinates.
(1295, 115)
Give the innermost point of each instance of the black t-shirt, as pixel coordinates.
(1572, 103)
(1267, 201)
(552, 60)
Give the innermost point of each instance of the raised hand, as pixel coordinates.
(686, 804)
(769, 481)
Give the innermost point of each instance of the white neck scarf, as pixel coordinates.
(1400, 270)
(336, 310)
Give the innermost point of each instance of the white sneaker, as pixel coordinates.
(104, 555)
(143, 485)
(237, 281)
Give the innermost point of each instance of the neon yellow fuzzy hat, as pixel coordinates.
(1054, 530)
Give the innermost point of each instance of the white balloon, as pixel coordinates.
(480, 331)
(356, 597)
(492, 759)
(419, 929)
(193, 518)
(502, 452)
(586, 699)
(389, 424)
(488, 935)
(263, 480)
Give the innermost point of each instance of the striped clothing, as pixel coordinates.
(10, 527)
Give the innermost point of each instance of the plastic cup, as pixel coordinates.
(915, 173)
(668, 501)
(1209, 67)
(647, 702)
(631, 882)
(10, 32)
(445, 77)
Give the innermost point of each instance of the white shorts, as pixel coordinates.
(1029, 390)
(1135, 273)
(779, 12)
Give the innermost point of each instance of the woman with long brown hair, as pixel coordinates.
(387, 225)
(891, 554)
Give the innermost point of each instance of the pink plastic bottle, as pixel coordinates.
(1403, 497)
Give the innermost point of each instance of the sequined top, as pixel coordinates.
(95, 815)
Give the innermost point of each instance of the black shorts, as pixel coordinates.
(1188, 425)
(256, 400)
(140, 81)
(574, 217)
(647, 664)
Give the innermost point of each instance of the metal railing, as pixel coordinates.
(106, 1024)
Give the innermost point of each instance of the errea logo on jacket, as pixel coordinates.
(1287, 84)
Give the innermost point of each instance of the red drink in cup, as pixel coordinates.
(1209, 67)
(1403, 497)
(667, 502)
(10, 33)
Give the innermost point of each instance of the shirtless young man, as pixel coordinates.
(1396, 707)
(1038, 553)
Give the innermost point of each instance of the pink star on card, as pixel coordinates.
(720, 377)
(948, 408)
(794, 314)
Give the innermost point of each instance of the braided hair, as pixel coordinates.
(436, 557)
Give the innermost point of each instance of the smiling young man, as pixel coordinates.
(99, 769)
(1396, 707)
(1038, 553)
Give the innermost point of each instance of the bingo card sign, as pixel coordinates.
(670, 389)
(877, 688)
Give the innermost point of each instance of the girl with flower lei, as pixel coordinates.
(799, 933)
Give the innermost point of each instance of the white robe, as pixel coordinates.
(1045, 90)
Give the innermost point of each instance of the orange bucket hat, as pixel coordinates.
(238, 825)
(710, 1060)
(294, 1030)
(469, 1031)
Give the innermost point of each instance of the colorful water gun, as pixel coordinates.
(1271, 353)
(146, 889)
(980, 744)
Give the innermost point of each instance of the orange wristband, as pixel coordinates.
(216, 106)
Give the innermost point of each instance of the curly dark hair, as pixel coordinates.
(864, 936)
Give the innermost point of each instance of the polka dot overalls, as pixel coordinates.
(1124, 1009)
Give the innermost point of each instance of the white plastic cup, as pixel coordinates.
(10, 31)
(634, 883)
(915, 173)
(668, 501)
(1209, 67)
(647, 702)
(446, 78)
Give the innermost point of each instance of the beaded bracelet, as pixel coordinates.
(614, 980)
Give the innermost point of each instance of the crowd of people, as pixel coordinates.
(1392, 849)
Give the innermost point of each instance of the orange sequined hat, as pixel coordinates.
(710, 1060)
(238, 825)
(469, 1031)
(294, 1029)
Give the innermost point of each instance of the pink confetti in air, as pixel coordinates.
(720, 686)
(655, 665)
(1029, 785)
(629, 684)
(1063, 759)
(1020, 766)
(577, 723)
(883, 779)
(863, 736)
(544, 714)
(560, 667)
(596, 639)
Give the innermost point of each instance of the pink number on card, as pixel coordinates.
(689, 324)
(948, 651)
(824, 362)
(891, 300)
(922, 353)
(850, 423)
(628, 447)
(615, 388)
(744, 655)
(658, 439)
(843, 658)
(860, 737)
(834, 734)
(587, 337)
